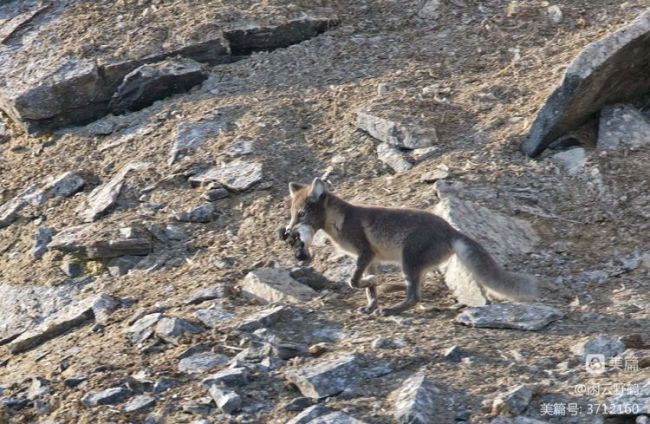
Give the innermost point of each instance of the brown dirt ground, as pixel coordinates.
(298, 105)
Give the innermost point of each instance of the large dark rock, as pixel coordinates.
(614, 69)
(151, 82)
(244, 40)
(44, 87)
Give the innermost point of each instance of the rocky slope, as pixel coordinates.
(145, 153)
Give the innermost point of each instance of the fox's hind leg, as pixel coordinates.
(421, 252)
(413, 277)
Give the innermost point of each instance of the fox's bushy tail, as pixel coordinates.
(490, 274)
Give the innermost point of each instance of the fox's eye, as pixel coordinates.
(301, 214)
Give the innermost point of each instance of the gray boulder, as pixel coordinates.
(261, 319)
(273, 285)
(173, 329)
(139, 404)
(393, 158)
(501, 235)
(238, 175)
(336, 417)
(201, 362)
(609, 346)
(213, 316)
(418, 401)
(607, 71)
(513, 402)
(150, 82)
(217, 291)
(621, 126)
(228, 401)
(309, 414)
(230, 377)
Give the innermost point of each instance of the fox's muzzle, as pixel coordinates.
(299, 238)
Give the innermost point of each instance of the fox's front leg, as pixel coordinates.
(371, 291)
(363, 261)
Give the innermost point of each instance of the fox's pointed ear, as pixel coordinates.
(294, 188)
(318, 189)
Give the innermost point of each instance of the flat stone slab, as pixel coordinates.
(419, 401)
(238, 175)
(631, 403)
(23, 307)
(69, 317)
(611, 70)
(273, 285)
(331, 377)
(139, 404)
(110, 396)
(104, 197)
(510, 316)
(501, 236)
(396, 131)
(64, 185)
(622, 126)
(91, 242)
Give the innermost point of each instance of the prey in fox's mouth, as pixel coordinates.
(300, 239)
